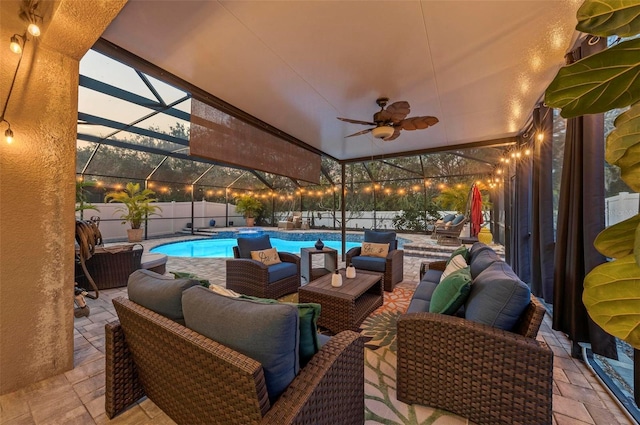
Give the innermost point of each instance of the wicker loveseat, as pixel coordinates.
(483, 373)
(196, 380)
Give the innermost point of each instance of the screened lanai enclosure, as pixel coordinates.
(133, 127)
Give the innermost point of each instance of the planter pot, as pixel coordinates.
(250, 221)
(134, 235)
(485, 236)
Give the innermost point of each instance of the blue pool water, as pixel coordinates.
(208, 248)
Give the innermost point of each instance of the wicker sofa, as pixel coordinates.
(483, 373)
(196, 380)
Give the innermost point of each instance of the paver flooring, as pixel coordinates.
(77, 396)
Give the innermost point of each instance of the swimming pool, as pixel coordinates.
(215, 248)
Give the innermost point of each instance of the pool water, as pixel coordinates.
(217, 248)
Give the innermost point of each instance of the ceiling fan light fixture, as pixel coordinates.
(382, 132)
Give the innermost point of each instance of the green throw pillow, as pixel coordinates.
(184, 275)
(462, 250)
(451, 293)
(308, 314)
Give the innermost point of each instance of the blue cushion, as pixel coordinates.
(268, 333)
(159, 293)
(458, 219)
(381, 237)
(418, 306)
(375, 264)
(246, 245)
(281, 270)
(323, 339)
(498, 297)
(425, 290)
(475, 249)
(308, 314)
(481, 260)
(432, 276)
(447, 218)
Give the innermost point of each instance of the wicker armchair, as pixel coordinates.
(393, 268)
(195, 380)
(487, 375)
(251, 277)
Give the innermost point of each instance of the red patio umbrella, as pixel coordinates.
(476, 211)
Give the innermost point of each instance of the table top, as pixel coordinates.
(313, 250)
(350, 287)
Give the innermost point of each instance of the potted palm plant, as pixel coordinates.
(248, 206)
(137, 205)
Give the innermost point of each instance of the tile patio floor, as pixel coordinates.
(77, 396)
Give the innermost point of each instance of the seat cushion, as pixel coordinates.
(381, 237)
(457, 219)
(374, 264)
(418, 306)
(159, 293)
(481, 260)
(498, 297)
(246, 245)
(432, 276)
(268, 333)
(448, 218)
(450, 294)
(424, 291)
(281, 270)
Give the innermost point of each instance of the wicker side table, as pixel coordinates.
(346, 307)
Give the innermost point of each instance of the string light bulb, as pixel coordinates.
(540, 136)
(16, 44)
(8, 135)
(34, 29)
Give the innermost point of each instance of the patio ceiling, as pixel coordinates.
(479, 66)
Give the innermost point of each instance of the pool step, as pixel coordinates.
(202, 231)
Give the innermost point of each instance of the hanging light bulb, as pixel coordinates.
(527, 152)
(16, 44)
(8, 135)
(34, 29)
(540, 136)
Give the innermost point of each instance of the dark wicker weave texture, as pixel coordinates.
(251, 277)
(110, 268)
(394, 266)
(345, 307)
(482, 373)
(195, 380)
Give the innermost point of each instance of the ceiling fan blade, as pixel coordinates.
(360, 132)
(418, 123)
(394, 136)
(356, 121)
(396, 112)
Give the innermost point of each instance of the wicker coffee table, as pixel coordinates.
(346, 307)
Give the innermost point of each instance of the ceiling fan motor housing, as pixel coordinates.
(382, 132)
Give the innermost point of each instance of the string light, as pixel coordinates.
(17, 43)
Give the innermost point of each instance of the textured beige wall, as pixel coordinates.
(37, 187)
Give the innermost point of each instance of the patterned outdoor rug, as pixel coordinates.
(381, 405)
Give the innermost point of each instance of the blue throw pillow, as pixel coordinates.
(159, 293)
(458, 219)
(309, 314)
(447, 218)
(498, 297)
(268, 333)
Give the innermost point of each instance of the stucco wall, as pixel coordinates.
(37, 187)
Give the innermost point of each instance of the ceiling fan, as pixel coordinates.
(388, 122)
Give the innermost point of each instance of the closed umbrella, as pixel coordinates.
(476, 211)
